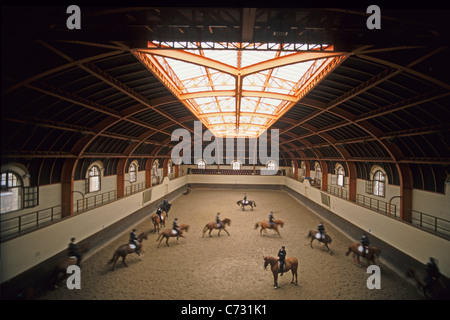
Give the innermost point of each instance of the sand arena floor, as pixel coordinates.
(231, 267)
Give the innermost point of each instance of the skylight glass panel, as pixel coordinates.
(258, 80)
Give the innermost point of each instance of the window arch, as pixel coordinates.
(340, 174)
(11, 192)
(94, 179)
(236, 165)
(379, 183)
(201, 164)
(272, 165)
(132, 171)
(317, 174)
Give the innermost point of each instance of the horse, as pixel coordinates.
(289, 264)
(315, 235)
(213, 225)
(370, 256)
(267, 225)
(242, 204)
(437, 288)
(166, 208)
(126, 249)
(188, 190)
(156, 221)
(167, 233)
(63, 264)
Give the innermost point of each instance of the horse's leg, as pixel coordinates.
(226, 231)
(312, 239)
(210, 230)
(167, 241)
(275, 279)
(220, 229)
(123, 260)
(276, 229)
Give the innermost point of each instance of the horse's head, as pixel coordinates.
(226, 221)
(142, 236)
(266, 262)
(184, 227)
(280, 223)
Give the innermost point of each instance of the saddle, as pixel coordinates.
(174, 232)
(360, 249)
(318, 237)
(132, 246)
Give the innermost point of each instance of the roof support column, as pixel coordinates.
(324, 167)
(352, 179)
(406, 188)
(67, 187)
(121, 177)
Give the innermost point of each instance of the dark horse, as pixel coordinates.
(126, 249)
(157, 222)
(267, 225)
(242, 204)
(315, 235)
(436, 289)
(63, 264)
(167, 233)
(370, 256)
(289, 264)
(213, 225)
(166, 208)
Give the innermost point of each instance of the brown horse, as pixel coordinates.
(242, 204)
(213, 225)
(156, 221)
(266, 225)
(126, 249)
(289, 264)
(437, 288)
(167, 233)
(63, 264)
(315, 235)
(370, 256)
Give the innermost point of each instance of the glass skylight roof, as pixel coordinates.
(239, 89)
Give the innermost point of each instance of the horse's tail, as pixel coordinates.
(309, 235)
(349, 250)
(159, 237)
(254, 203)
(256, 225)
(113, 257)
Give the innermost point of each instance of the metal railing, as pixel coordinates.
(431, 223)
(134, 188)
(377, 205)
(94, 201)
(14, 226)
(338, 191)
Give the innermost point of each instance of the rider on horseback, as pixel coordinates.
(281, 257)
(165, 204)
(321, 230)
(271, 219)
(159, 212)
(175, 226)
(73, 251)
(365, 243)
(245, 198)
(432, 272)
(219, 223)
(134, 240)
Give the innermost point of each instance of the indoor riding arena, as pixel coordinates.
(297, 116)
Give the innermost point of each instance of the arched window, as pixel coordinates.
(379, 184)
(11, 192)
(133, 172)
(94, 179)
(293, 167)
(340, 176)
(272, 165)
(201, 164)
(317, 174)
(236, 165)
(169, 167)
(302, 171)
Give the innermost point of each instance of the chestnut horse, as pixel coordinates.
(63, 264)
(167, 233)
(266, 225)
(370, 256)
(437, 288)
(126, 249)
(156, 221)
(213, 225)
(289, 264)
(315, 235)
(242, 204)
